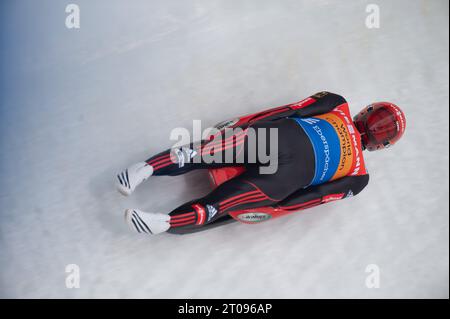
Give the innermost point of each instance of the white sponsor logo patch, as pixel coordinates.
(184, 155)
(310, 120)
(254, 217)
(212, 211)
(225, 124)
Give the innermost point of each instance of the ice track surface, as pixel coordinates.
(77, 106)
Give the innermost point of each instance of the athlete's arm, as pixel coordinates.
(314, 195)
(319, 103)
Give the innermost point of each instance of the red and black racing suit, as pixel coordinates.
(319, 158)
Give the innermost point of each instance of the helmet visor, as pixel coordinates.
(381, 126)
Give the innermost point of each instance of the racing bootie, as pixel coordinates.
(147, 223)
(134, 175)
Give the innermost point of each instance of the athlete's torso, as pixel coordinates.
(336, 144)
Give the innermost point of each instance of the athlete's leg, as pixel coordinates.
(244, 192)
(206, 154)
(222, 150)
(238, 193)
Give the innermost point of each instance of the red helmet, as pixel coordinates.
(381, 124)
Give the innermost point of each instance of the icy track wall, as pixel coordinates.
(78, 105)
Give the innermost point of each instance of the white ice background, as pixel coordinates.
(79, 105)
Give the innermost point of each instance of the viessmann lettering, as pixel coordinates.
(346, 145)
(326, 150)
(254, 217)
